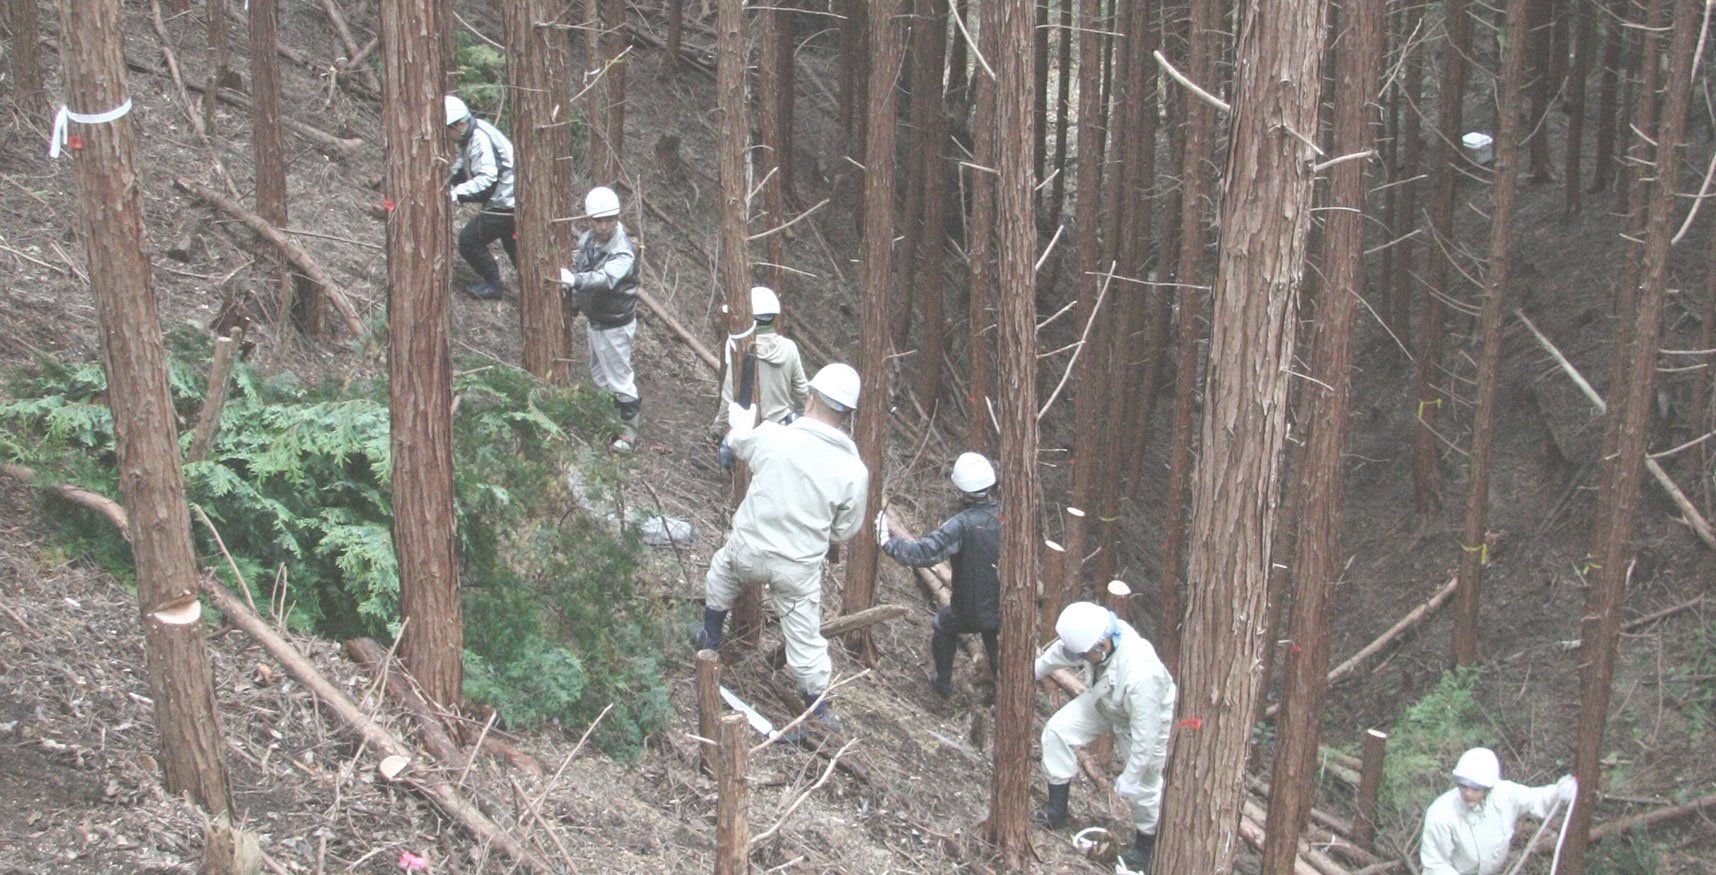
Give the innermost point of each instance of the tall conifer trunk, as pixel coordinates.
(110, 209)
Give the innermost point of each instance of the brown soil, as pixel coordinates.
(910, 793)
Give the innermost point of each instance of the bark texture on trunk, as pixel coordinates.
(875, 277)
(269, 154)
(1629, 418)
(1473, 551)
(110, 207)
(1017, 409)
(23, 25)
(980, 243)
(734, 267)
(419, 360)
(1265, 218)
(539, 70)
(1425, 445)
(1066, 582)
(1197, 184)
(1321, 478)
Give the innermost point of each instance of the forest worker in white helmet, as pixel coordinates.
(603, 285)
(1130, 696)
(970, 541)
(1467, 830)
(482, 174)
(808, 489)
(782, 389)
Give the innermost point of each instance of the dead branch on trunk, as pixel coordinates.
(292, 251)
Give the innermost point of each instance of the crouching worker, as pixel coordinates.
(808, 489)
(782, 390)
(970, 542)
(1468, 830)
(1131, 696)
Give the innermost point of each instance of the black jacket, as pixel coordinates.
(971, 543)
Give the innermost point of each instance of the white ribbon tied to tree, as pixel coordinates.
(64, 118)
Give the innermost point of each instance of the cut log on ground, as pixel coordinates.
(424, 781)
(846, 625)
(294, 253)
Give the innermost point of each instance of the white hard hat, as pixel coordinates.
(764, 302)
(601, 203)
(1478, 766)
(972, 473)
(457, 111)
(1082, 626)
(838, 384)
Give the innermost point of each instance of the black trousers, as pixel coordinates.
(474, 239)
(944, 643)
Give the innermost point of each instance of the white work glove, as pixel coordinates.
(453, 197)
(740, 419)
(1566, 788)
(881, 527)
(1127, 788)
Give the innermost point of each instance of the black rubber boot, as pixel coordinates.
(1054, 814)
(822, 714)
(630, 416)
(1143, 848)
(709, 637)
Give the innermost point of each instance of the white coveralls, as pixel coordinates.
(1131, 696)
(808, 487)
(1462, 841)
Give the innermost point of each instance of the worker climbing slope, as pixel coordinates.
(808, 490)
(482, 174)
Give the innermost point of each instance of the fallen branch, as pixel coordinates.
(1412, 618)
(367, 653)
(341, 147)
(1694, 520)
(354, 56)
(680, 331)
(196, 118)
(1315, 860)
(83, 498)
(424, 781)
(826, 773)
(292, 251)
